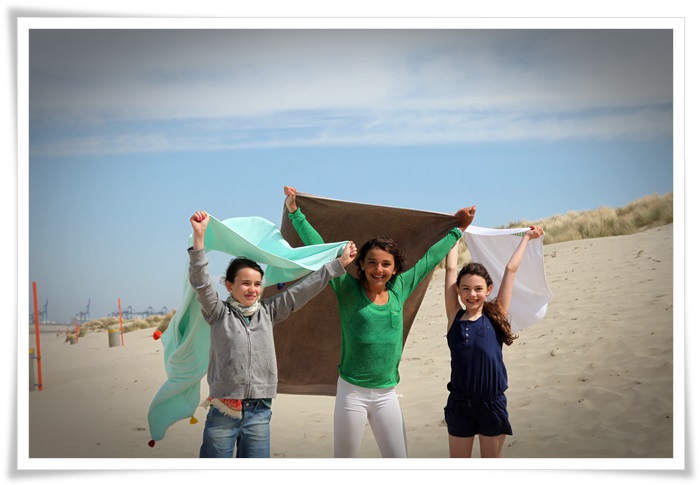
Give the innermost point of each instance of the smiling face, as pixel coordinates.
(473, 290)
(378, 267)
(246, 286)
(381, 257)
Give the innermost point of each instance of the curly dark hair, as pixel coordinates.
(492, 309)
(386, 244)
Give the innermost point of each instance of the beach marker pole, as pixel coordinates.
(38, 334)
(121, 330)
(77, 330)
(32, 380)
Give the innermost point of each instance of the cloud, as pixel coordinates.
(125, 91)
(371, 129)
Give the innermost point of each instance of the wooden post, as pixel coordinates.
(38, 334)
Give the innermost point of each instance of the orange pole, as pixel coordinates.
(77, 330)
(38, 334)
(121, 331)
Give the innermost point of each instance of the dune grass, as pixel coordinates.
(160, 322)
(650, 211)
(644, 213)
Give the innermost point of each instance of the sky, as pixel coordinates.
(132, 131)
(125, 139)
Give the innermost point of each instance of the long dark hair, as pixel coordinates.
(492, 309)
(386, 244)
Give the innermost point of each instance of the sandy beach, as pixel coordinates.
(594, 379)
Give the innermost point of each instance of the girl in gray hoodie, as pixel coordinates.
(242, 372)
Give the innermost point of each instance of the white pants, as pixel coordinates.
(354, 406)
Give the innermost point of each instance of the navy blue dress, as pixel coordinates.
(477, 403)
(478, 370)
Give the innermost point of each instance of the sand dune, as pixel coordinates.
(594, 379)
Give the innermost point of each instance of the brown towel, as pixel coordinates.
(308, 342)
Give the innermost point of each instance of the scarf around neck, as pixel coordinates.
(186, 341)
(247, 311)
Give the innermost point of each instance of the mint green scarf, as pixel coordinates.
(186, 340)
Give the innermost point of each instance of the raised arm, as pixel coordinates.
(349, 254)
(465, 217)
(307, 233)
(412, 277)
(452, 305)
(505, 292)
(291, 199)
(199, 221)
(208, 297)
(298, 295)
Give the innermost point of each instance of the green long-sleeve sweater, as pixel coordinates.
(372, 335)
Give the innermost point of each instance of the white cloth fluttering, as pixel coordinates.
(493, 248)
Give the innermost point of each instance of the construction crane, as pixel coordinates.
(147, 312)
(84, 315)
(129, 312)
(43, 314)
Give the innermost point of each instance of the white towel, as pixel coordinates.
(493, 248)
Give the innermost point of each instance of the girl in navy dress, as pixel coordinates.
(476, 332)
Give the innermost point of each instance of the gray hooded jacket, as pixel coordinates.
(242, 360)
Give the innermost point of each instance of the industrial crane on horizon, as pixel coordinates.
(84, 315)
(130, 313)
(43, 314)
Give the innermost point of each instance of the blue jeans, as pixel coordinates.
(249, 434)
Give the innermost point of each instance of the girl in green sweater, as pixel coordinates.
(371, 322)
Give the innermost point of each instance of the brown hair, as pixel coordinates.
(492, 309)
(386, 244)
